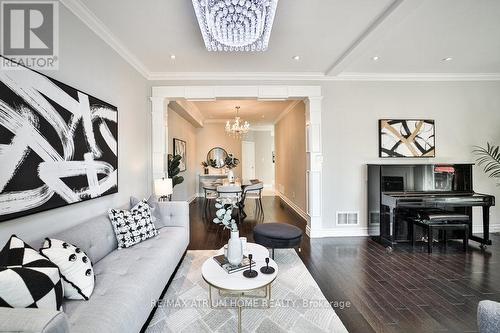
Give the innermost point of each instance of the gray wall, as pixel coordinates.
(88, 64)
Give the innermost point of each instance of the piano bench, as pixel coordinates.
(429, 227)
(437, 215)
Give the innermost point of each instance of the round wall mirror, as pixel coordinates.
(216, 157)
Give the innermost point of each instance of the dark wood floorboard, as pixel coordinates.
(405, 291)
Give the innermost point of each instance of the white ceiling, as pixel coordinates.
(334, 38)
(253, 111)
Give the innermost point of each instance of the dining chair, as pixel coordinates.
(233, 192)
(254, 192)
(210, 194)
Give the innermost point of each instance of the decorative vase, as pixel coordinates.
(230, 175)
(234, 249)
(206, 171)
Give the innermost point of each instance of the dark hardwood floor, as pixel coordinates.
(405, 291)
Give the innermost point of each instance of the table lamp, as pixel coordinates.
(163, 188)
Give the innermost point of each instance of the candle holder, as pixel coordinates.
(266, 269)
(250, 273)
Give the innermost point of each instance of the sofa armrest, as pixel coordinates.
(488, 317)
(174, 213)
(33, 320)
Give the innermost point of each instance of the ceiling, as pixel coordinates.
(253, 111)
(335, 39)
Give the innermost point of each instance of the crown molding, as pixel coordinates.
(100, 29)
(351, 76)
(318, 77)
(237, 76)
(287, 110)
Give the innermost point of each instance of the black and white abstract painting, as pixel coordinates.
(407, 138)
(58, 145)
(180, 149)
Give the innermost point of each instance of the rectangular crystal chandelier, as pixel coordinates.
(235, 25)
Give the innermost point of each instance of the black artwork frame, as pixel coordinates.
(407, 134)
(79, 136)
(180, 148)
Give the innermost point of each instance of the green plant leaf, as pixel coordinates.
(489, 159)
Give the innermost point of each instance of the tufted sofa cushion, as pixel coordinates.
(95, 237)
(128, 281)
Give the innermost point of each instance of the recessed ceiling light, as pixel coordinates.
(375, 58)
(263, 116)
(172, 56)
(296, 58)
(447, 59)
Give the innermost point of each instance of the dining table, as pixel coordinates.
(238, 183)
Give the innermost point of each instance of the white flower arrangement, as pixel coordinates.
(224, 213)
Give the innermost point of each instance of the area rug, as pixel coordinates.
(298, 305)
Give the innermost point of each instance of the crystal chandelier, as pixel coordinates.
(235, 25)
(237, 127)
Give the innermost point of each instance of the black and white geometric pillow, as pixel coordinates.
(75, 267)
(134, 226)
(28, 279)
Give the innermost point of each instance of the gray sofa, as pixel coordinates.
(128, 281)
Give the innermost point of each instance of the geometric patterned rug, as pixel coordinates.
(298, 305)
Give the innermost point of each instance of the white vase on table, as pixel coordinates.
(230, 175)
(234, 249)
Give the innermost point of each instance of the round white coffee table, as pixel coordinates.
(235, 284)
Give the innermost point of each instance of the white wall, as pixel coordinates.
(264, 147)
(90, 65)
(466, 114)
(180, 128)
(213, 135)
(291, 157)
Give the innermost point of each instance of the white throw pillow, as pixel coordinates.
(28, 279)
(75, 267)
(134, 226)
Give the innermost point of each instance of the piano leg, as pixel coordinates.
(485, 240)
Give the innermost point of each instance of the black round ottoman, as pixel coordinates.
(277, 236)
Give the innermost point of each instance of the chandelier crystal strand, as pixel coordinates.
(237, 127)
(235, 25)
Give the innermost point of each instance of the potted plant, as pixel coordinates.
(204, 164)
(489, 159)
(173, 169)
(231, 162)
(224, 216)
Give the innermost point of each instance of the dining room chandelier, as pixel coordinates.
(235, 25)
(237, 127)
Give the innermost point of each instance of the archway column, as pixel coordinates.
(315, 167)
(159, 136)
(311, 95)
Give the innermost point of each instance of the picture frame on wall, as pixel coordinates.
(407, 138)
(60, 144)
(180, 147)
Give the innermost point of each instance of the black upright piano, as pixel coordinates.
(395, 191)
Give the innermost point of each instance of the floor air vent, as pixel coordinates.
(347, 218)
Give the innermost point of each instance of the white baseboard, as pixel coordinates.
(373, 230)
(293, 206)
(338, 232)
(193, 198)
(478, 228)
